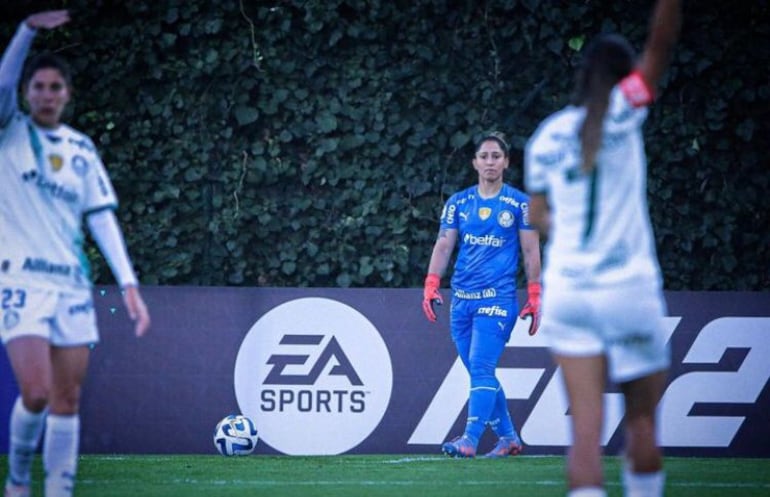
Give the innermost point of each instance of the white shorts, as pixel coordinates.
(64, 319)
(624, 322)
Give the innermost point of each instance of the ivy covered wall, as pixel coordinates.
(313, 143)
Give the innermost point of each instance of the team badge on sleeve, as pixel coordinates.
(56, 162)
(80, 165)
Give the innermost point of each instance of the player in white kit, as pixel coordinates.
(51, 178)
(603, 308)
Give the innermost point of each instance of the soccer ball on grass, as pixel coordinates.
(236, 435)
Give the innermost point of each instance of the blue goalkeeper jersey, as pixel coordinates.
(488, 239)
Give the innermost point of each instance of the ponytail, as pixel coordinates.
(606, 60)
(591, 130)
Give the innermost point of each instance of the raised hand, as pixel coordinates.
(48, 19)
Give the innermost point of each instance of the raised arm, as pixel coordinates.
(10, 71)
(663, 34)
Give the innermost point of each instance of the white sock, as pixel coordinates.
(25, 428)
(643, 484)
(587, 492)
(60, 454)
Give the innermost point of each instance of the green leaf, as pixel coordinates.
(326, 122)
(343, 280)
(576, 43)
(246, 115)
(288, 267)
(459, 139)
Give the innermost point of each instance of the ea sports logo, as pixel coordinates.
(315, 375)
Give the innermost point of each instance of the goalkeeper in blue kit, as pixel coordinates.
(489, 224)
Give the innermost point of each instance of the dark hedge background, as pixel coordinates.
(292, 143)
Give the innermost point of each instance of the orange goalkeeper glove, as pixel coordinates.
(431, 296)
(532, 307)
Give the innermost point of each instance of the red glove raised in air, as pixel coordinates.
(532, 307)
(431, 296)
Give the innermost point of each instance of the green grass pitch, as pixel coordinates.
(385, 475)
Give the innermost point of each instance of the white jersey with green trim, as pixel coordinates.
(600, 227)
(49, 178)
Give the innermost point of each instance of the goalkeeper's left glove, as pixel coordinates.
(532, 307)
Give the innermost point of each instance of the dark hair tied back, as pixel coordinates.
(607, 60)
(497, 136)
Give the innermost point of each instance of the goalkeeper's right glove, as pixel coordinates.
(431, 296)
